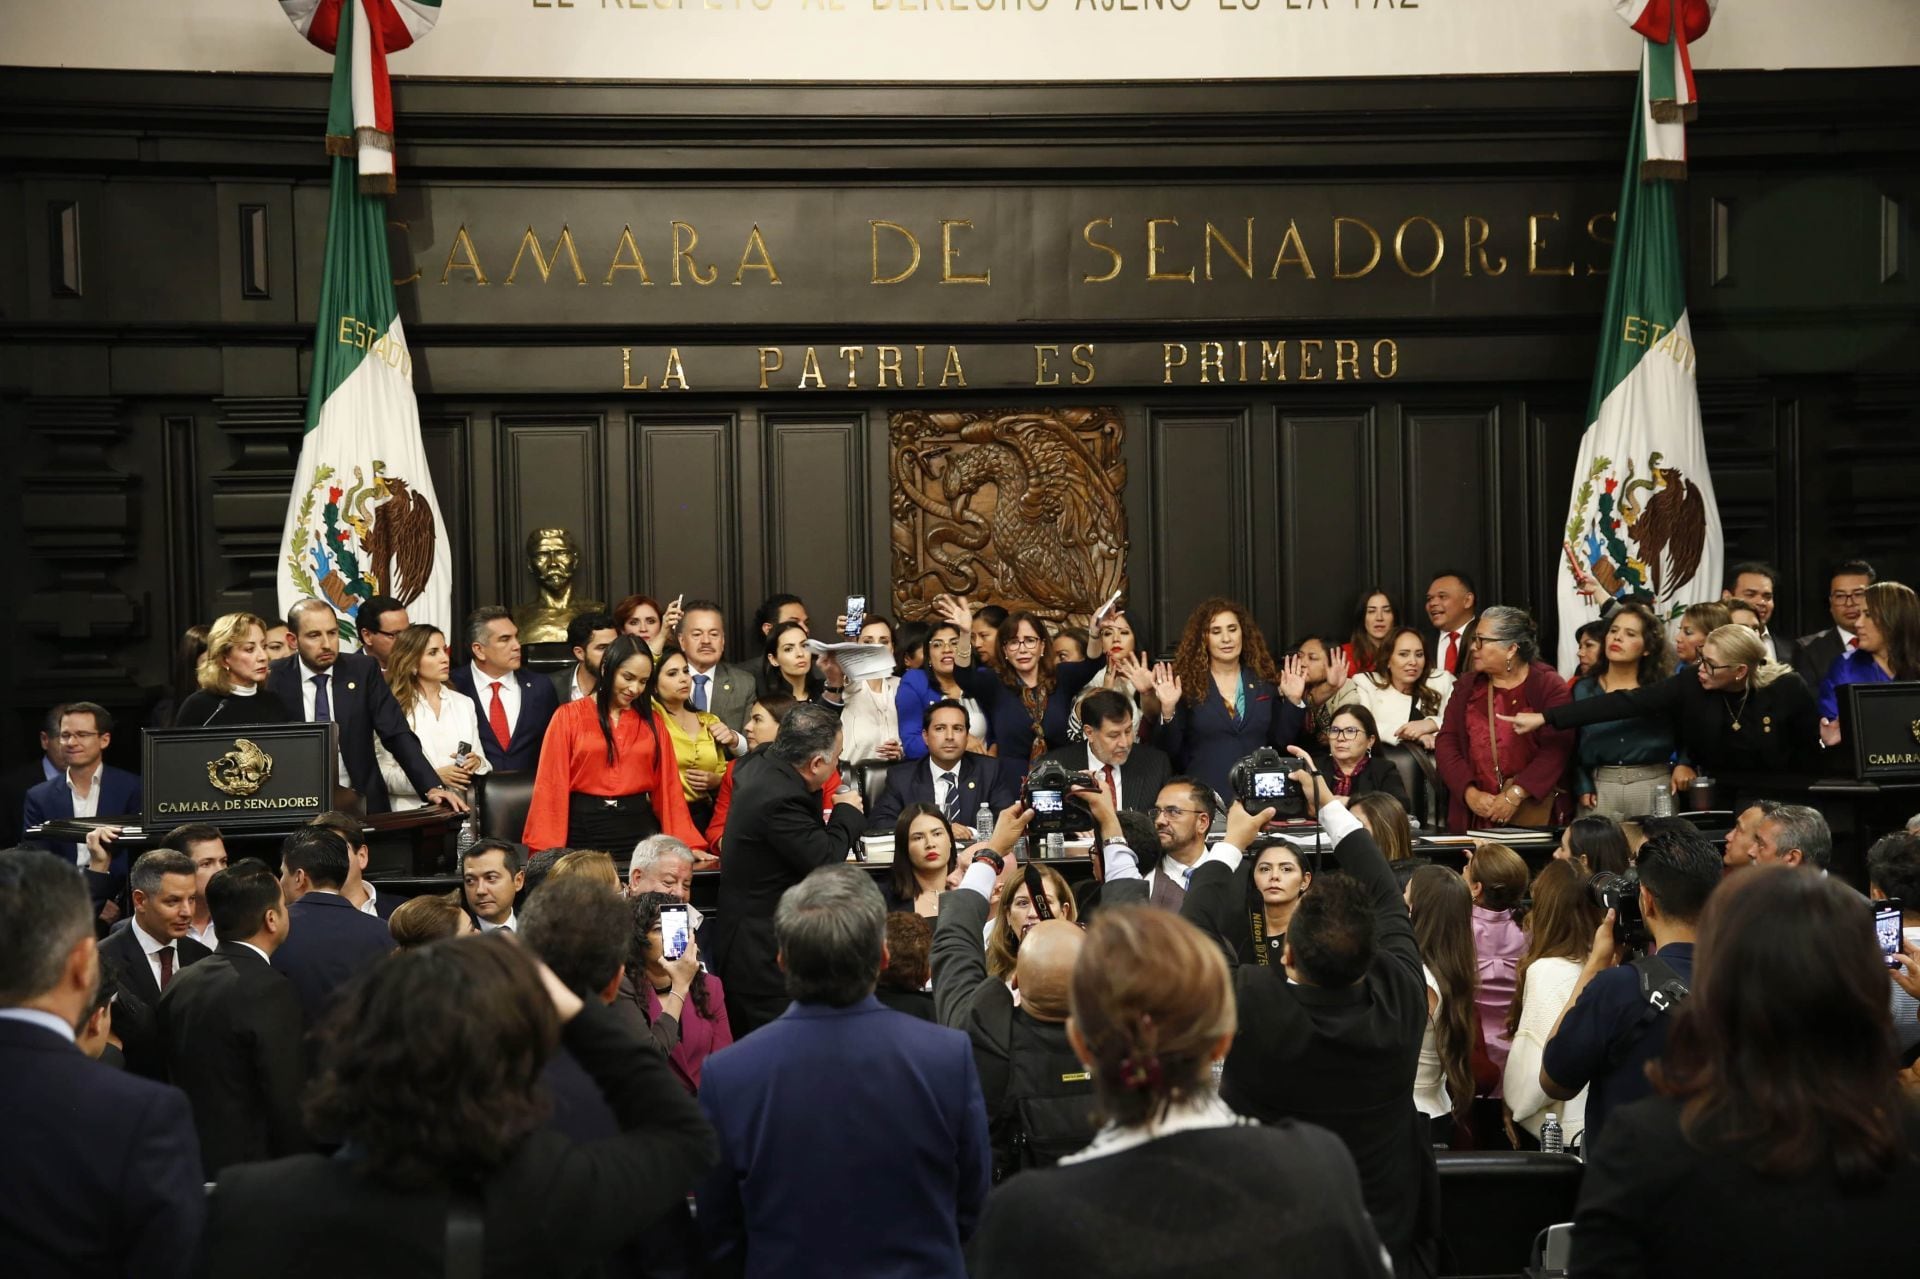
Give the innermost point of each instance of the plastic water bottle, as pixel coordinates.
(1552, 1140)
(469, 832)
(983, 821)
(1056, 845)
(1662, 802)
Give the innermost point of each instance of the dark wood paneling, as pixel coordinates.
(1329, 515)
(1201, 497)
(445, 440)
(815, 487)
(1455, 506)
(551, 476)
(684, 489)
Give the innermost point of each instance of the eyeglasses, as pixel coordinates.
(1024, 641)
(1478, 640)
(1171, 811)
(1714, 668)
(1346, 730)
(1848, 597)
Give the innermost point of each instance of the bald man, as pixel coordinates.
(1039, 1097)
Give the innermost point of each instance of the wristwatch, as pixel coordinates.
(992, 859)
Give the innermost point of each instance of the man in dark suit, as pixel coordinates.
(152, 949)
(1331, 1035)
(1450, 607)
(894, 1099)
(320, 684)
(515, 707)
(104, 1176)
(329, 941)
(365, 896)
(1846, 599)
(589, 636)
(949, 778)
(722, 687)
(774, 837)
(230, 1028)
(17, 781)
(88, 787)
(1757, 585)
(1130, 773)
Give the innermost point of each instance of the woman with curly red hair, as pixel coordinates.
(1222, 696)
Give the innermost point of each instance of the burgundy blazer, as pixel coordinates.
(1554, 746)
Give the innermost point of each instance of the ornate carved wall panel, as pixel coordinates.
(1024, 508)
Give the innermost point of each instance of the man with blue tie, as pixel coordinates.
(348, 689)
(718, 686)
(105, 1179)
(949, 778)
(515, 707)
(895, 1101)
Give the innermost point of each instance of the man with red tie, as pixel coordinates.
(146, 953)
(1131, 774)
(514, 706)
(1450, 607)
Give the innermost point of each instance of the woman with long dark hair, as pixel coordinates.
(1406, 695)
(419, 667)
(1223, 696)
(1779, 1121)
(1027, 696)
(608, 777)
(1251, 911)
(1375, 618)
(701, 742)
(1560, 929)
(1593, 845)
(1443, 1082)
(925, 854)
(685, 1007)
(1886, 647)
(1620, 765)
(1349, 763)
(788, 667)
(949, 650)
(431, 1083)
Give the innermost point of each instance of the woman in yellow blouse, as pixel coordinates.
(701, 743)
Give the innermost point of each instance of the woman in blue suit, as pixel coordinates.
(1222, 697)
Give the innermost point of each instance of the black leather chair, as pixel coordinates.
(870, 776)
(1494, 1203)
(502, 800)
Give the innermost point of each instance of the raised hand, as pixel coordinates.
(1166, 686)
(952, 608)
(1293, 678)
(1134, 669)
(1339, 666)
(670, 621)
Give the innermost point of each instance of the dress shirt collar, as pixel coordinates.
(41, 1018)
(1847, 638)
(256, 950)
(93, 786)
(368, 907)
(1187, 1115)
(149, 944)
(307, 672)
(205, 936)
(576, 692)
(512, 924)
(702, 670)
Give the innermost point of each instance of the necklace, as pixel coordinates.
(1735, 712)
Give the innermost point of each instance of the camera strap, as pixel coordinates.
(1036, 892)
(1661, 991)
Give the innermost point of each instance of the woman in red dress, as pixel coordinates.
(607, 777)
(1496, 776)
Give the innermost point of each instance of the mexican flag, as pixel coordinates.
(1643, 520)
(362, 519)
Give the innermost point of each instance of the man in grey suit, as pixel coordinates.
(589, 634)
(718, 686)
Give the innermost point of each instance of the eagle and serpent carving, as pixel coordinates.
(1020, 508)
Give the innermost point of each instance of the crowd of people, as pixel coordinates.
(974, 1058)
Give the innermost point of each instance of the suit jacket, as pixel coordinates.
(1341, 1058)
(14, 786)
(329, 943)
(1205, 740)
(1815, 654)
(774, 838)
(135, 1010)
(231, 1030)
(1147, 770)
(53, 801)
(360, 702)
(556, 1207)
(104, 1180)
(538, 702)
(983, 779)
(731, 692)
(906, 1181)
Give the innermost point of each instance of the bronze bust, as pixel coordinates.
(553, 557)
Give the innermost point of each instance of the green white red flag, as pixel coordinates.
(362, 519)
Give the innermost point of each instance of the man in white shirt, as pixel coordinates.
(1755, 584)
(589, 635)
(1846, 600)
(208, 850)
(1450, 607)
(1130, 772)
(150, 951)
(494, 872)
(513, 706)
(1181, 815)
(718, 686)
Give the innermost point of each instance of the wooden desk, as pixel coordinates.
(416, 843)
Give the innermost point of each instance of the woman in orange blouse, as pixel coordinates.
(608, 778)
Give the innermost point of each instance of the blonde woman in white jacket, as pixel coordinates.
(1560, 931)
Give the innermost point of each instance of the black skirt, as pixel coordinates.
(611, 823)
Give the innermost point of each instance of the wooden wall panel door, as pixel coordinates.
(1554, 425)
(1455, 508)
(1750, 440)
(551, 476)
(445, 440)
(814, 478)
(1201, 479)
(1328, 515)
(684, 490)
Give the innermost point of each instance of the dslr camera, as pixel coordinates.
(1048, 792)
(1621, 895)
(1264, 779)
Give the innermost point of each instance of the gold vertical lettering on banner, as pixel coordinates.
(1168, 362)
(1242, 344)
(810, 375)
(1474, 231)
(952, 369)
(1612, 220)
(1291, 240)
(1346, 355)
(852, 354)
(626, 373)
(545, 262)
(756, 242)
(1212, 356)
(1042, 375)
(1273, 359)
(1082, 356)
(1439, 247)
(1392, 350)
(1244, 263)
(635, 261)
(461, 240)
(919, 366)
(888, 360)
(683, 252)
(1086, 233)
(1309, 348)
(874, 226)
(1339, 272)
(1535, 244)
(779, 362)
(1153, 253)
(397, 224)
(676, 372)
(948, 253)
